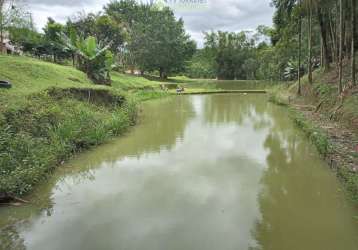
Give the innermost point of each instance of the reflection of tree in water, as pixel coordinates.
(235, 109)
(298, 202)
(10, 239)
(162, 124)
(165, 123)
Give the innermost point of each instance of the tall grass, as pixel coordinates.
(38, 136)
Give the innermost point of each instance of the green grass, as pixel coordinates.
(30, 76)
(279, 95)
(318, 137)
(37, 136)
(53, 112)
(324, 91)
(130, 82)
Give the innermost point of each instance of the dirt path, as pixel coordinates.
(343, 140)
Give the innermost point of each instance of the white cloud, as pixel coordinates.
(229, 15)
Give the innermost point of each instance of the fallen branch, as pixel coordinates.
(6, 199)
(20, 200)
(318, 107)
(335, 111)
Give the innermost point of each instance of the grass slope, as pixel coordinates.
(54, 111)
(30, 76)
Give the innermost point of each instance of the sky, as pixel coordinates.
(199, 16)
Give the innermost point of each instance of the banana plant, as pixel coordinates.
(93, 58)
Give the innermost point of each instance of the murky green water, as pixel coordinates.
(199, 172)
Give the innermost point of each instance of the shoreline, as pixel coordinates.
(208, 92)
(334, 142)
(72, 123)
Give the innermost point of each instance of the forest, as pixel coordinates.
(306, 35)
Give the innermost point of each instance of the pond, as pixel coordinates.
(198, 172)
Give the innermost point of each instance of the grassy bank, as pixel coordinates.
(330, 121)
(53, 112)
(39, 135)
(327, 148)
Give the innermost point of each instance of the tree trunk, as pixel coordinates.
(299, 92)
(353, 25)
(2, 2)
(162, 74)
(310, 43)
(73, 60)
(1, 39)
(340, 65)
(325, 60)
(333, 38)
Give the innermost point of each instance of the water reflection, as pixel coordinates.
(300, 204)
(161, 126)
(200, 172)
(223, 109)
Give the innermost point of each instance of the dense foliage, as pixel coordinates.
(316, 33)
(140, 37)
(157, 41)
(229, 55)
(307, 34)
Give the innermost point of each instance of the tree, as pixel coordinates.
(156, 40)
(234, 54)
(353, 27)
(299, 91)
(2, 24)
(103, 27)
(52, 37)
(25, 38)
(93, 59)
(128, 12)
(323, 21)
(21, 30)
(340, 62)
(160, 43)
(8, 12)
(201, 65)
(310, 80)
